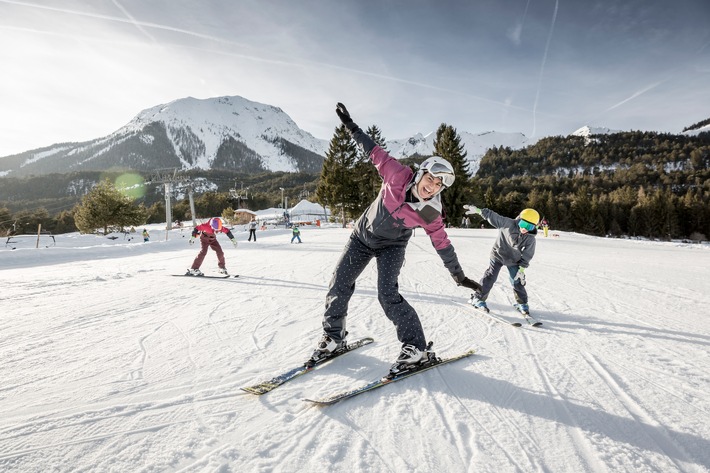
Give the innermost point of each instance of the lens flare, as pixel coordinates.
(131, 185)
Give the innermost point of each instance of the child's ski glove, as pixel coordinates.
(462, 280)
(234, 242)
(520, 276)
(472, 209)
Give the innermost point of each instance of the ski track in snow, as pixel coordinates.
(109, 366)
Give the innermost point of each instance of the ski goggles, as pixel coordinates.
(443, 173)
(525, 225)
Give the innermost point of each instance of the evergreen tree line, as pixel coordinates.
(636, 184)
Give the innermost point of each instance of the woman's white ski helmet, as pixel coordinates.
(437, 167)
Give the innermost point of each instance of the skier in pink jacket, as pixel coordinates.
(208, 239)
(406, 201)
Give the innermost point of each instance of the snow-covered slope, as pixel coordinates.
(110, 364)
(697, 131)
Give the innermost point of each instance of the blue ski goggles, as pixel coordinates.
(525, 225)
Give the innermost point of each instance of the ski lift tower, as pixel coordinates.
(168, 177)
(239, 195)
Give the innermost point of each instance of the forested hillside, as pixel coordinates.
(633, 183)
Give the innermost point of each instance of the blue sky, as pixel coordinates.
(78, 70)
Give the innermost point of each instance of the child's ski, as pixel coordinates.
(528, 318)
(498, 318)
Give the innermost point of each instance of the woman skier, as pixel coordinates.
(406, 201)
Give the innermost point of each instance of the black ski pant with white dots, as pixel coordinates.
(352, 263)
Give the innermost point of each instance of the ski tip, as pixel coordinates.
(485, 310)
(318, 402)
(516, 324)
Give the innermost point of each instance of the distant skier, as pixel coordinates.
(296, 233)
(146, 235)
(208, 239)
(406, 201)
(252, 229)
(514, 249)
(545, 226)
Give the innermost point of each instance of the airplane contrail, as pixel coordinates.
(135, 22)
(633, 96)
(118, 19)
(542, 67)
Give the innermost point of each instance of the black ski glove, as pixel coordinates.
(344, 116)
(462, 280)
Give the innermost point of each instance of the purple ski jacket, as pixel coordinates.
(390, 218)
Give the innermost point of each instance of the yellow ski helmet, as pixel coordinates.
(530, 215)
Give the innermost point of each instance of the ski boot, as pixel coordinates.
(325, 349)
(522, 308)
(411, 358)
(478, 303)
(223, 271)
(194, 272)
(525, 310)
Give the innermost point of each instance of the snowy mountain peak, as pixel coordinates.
(207, 123)
(588, 131)
(216, 133)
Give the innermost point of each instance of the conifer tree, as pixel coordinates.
(581, 211)
(336, 186)
(29, 220)
(211, 204)
(367, 178)
(6, 221)
(107, 208)
(448, 145)
(64, 222)
(639, 217)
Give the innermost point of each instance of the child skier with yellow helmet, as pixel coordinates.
(514, 249)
